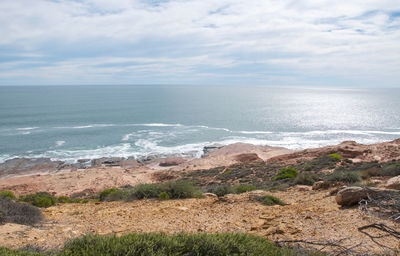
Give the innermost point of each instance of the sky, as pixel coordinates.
(254, 42)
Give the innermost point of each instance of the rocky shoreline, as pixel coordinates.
(22, 166)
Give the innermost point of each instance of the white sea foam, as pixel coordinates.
(60, 143)
(254, 132)
(161, 125)
(354, 132)
(25, 133)
(27, 128)
(84, 126)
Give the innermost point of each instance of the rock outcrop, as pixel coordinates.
(351, 195)
(393, 183)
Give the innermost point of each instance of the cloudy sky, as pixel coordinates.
(263, 42)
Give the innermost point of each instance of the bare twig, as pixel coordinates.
(335, 246)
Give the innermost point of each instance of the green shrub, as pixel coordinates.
(344, 176)
(8, 252)
(181, 244)
(286, 173)
(244, 188)
(271, 200)
(390, 169)
(20, 213)
(221, 190)
(163, 196)
(335, 156)
(306, 178)
(144, 191)
(41, 199)
(7, 194)
(111, 194)
(163, 245)
(181, 189)
(63, 199)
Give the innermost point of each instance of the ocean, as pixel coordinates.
(86, 122)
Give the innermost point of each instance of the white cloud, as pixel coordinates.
(343, 38)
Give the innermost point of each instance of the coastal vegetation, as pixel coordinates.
(20, 213)
(155, 244)
(167, 190)
(286, 173)
(40, 199)
(271, 200)
(7, 194)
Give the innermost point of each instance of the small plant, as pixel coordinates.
(7, 194)
(335, 156)
(181, 189)
(111, 194)
(144, 191)
(244, 188)
(271, 200)
(14, 212)
(306, 178)
(163, 196)
(221, 190)
(344, 176)
(286, 173)
(41, 199)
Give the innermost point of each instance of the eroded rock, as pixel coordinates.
(394, 183)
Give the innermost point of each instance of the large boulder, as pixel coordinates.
(393, 183)
(351, 195)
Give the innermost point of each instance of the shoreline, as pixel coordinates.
(43, 175)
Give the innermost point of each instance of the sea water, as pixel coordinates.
(86, 122)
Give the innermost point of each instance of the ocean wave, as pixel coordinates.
(327, 132)
(84, 126)
(255, 132)
(60, 143)
(26, 128)
(160, 125)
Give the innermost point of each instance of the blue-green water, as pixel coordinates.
(71, 122)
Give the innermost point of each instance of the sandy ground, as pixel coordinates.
(310, 215)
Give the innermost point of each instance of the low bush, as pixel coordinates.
(164, 245)
(14, 212)
(271, 200)
(67, 200)
(286, 173)
(221, 190)
(163, 196)
(335, 156)
(144, 191)
(9, 252)
(244, 188)
(344, 176)
(181, 189)
(306, 178)
(112, 194)
(7, 194)
(41, 199)
(164, 191)
(390, 169)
